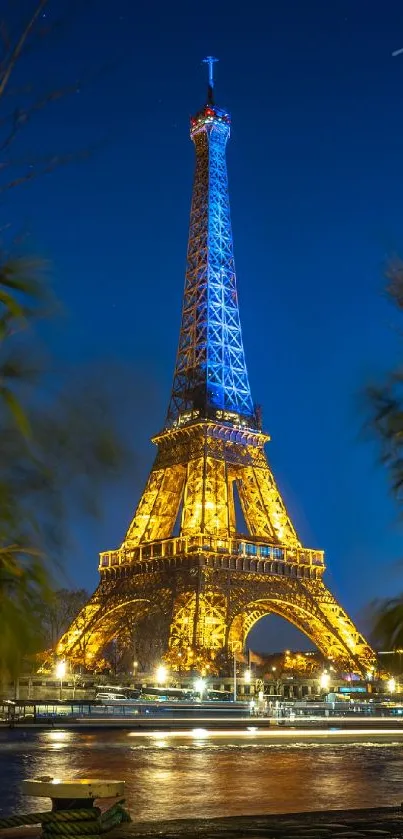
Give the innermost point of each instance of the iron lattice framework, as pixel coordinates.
(201, 591)
(210, 373)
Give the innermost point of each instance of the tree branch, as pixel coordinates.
(8, 65)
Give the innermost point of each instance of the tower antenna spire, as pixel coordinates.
(210, 60)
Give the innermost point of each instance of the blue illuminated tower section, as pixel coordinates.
(211, 379)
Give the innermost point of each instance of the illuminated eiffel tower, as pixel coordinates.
(184, 572)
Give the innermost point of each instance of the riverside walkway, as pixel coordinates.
(330, 824)
(333, 824)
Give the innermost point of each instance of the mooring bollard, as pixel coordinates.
(73, 813)
(70, 795)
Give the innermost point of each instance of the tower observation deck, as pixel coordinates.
(188, 574)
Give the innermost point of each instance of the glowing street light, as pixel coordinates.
(247, 677)
(200, 686)
(324, 680)
(161, 674)
(60, 669)
(391, 685)
(60, 673)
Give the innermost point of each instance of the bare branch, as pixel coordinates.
(8, 66)
(44, 31)
(21, 117)
(44, 169)
(29, 103)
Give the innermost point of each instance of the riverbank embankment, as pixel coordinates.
(329, 824)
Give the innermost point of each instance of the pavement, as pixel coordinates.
(334, 824)
(330, 824)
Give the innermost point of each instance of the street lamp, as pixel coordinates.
(200, 686)
(324, 680)
(161, 674)
(60, 673)
(247, 677)
(391, 685)
(135, 666)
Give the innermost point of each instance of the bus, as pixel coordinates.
(219, 695)
(161, 694)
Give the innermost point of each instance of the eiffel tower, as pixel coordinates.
(185, 576)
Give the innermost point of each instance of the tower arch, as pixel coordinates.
(97, 624)
(313, 627)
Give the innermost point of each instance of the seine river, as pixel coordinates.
(172, 777)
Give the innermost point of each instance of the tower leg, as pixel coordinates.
(263, 508)
(198, 628)
(158, 509)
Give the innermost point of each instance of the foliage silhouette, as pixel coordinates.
(385, 425)
(60, 442)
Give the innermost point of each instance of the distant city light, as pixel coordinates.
(161, 674)
(324, 680)
(60, 670)
(199, 732)
(200, 686)
(391, 684)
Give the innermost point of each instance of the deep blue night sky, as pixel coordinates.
(316, 172)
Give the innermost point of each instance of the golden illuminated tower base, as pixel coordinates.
(202, 590)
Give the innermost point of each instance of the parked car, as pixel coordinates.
(106, 697)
